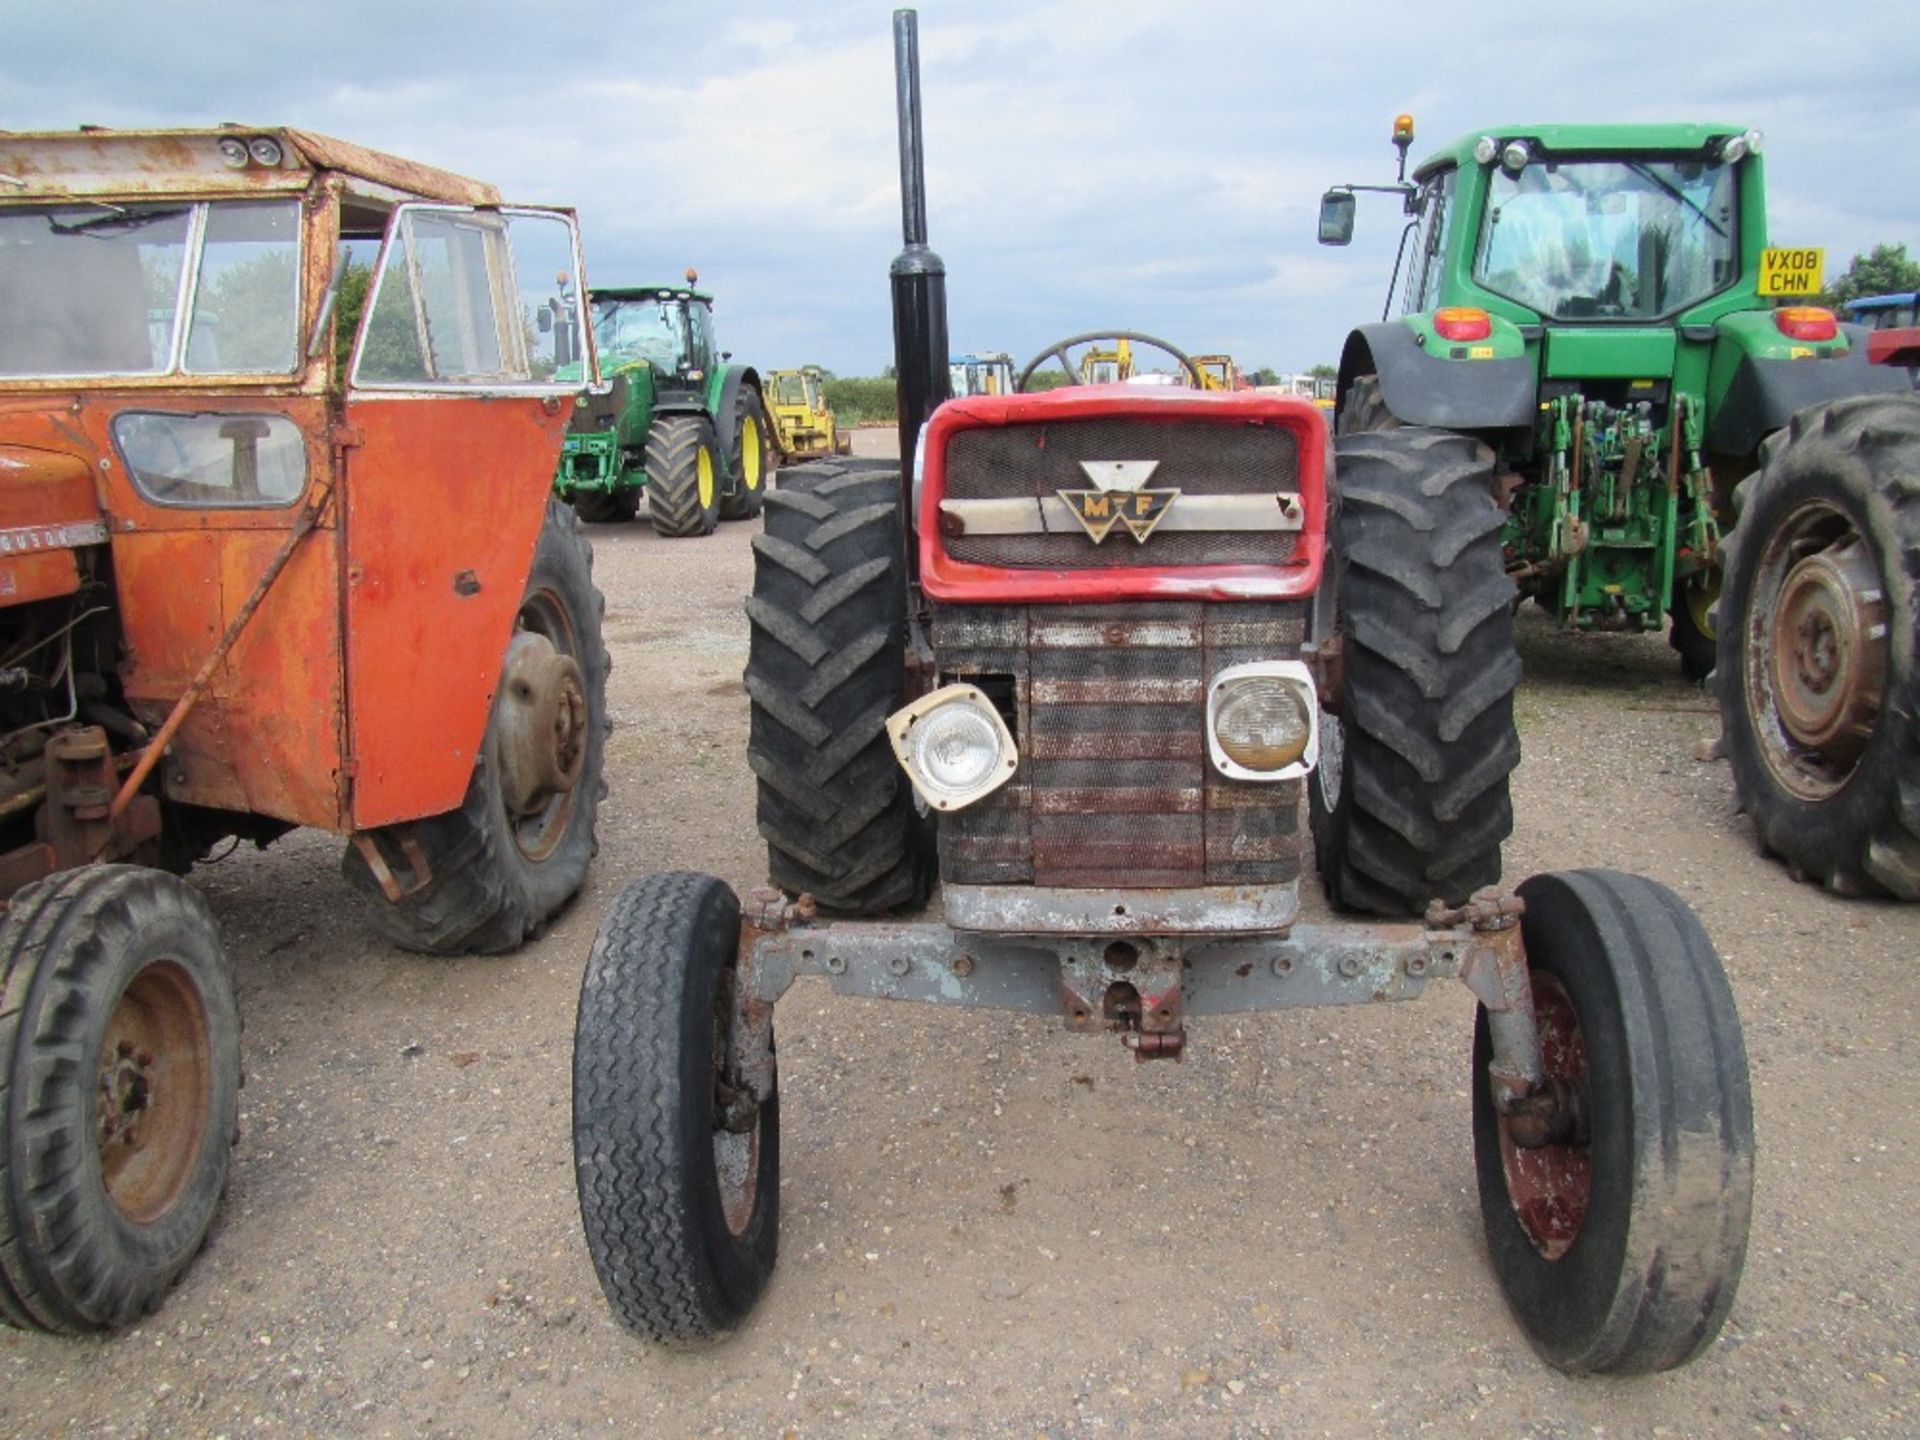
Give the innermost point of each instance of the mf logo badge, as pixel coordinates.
(1120, 497)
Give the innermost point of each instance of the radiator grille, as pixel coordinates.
(1197, 457)
(1114, 788)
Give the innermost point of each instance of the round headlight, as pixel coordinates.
(953, 751)
(1734, 149)
(1261, 723)
(265, 150)
(1756, 141)
(1516, 155)
(233, 152)
(1485, 148)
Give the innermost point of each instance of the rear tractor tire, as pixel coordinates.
(1819, 663)
(1409, 802)
(750, 456)
(120, 1062)
(683, 479)
(826, 664)
(680, 1199)
(1620, 1245)
(517, 850)
(1365, 408)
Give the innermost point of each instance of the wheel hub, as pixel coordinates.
(1829, 652)
(1549, 1184)
(150, 1104)
(543, 724)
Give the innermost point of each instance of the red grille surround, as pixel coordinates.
(945, 577)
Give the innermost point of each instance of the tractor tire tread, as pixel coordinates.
(1430, 675)
(825, 667)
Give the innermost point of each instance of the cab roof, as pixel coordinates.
(682, 291)
(42, 165)
(1583, 139)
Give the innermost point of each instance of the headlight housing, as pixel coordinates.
(1263, 721)
(954, 746)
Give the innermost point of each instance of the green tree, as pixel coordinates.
(1324, 371)
(1265, 375)
(1885, 270)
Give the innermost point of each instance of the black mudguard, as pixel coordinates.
(1764, 394)
(1424, 389)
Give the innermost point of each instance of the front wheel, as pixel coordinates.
(1819, 664)
(487, 877)
(749, 456)
(120, 1053)
(606, 507)
(679, 1180)
(683, 485)
(1620, 1247)
(1692, 635)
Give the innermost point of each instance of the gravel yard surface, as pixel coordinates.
(990, 1227)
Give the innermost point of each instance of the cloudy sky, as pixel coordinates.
(1147, 164)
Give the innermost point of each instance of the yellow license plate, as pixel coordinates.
(1792, 272)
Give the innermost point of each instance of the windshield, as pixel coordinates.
(646, 329)
(1609, 239)
(790, 390)
(102, 290)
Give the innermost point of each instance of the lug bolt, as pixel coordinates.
(899, 965)
(1282, 965)
(1349, 965)
(963, 965)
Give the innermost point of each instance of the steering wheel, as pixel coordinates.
(1060, 348)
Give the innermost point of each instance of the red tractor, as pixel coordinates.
(1093, 659)
(278, 418)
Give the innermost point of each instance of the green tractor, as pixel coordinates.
(677, 420)
(1597, 306)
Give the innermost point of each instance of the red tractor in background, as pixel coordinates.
(278, 419)
(1893, 329)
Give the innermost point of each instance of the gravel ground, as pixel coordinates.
(993, 1228)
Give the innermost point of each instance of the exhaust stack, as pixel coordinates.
(921, 377)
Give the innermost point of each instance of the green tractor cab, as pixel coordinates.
(676, 421)
(1598, 305)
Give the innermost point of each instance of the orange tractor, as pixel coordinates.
(278, 419)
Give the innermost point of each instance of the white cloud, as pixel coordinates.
(1125, 162)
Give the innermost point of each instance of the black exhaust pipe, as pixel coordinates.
(921, 377)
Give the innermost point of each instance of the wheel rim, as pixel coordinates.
(736, 1154)
(155, 1084)
(1333, 754)
(541, 745)
(1700, 600)
(750, 453)
(1549, 1185)
(1816, 651)
(703, 469)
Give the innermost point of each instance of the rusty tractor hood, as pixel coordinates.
(44, 489)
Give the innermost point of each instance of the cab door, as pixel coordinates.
(464, 376)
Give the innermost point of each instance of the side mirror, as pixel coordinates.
(543, 318)
(1336, 217)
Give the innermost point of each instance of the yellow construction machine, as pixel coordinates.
(803, 427)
